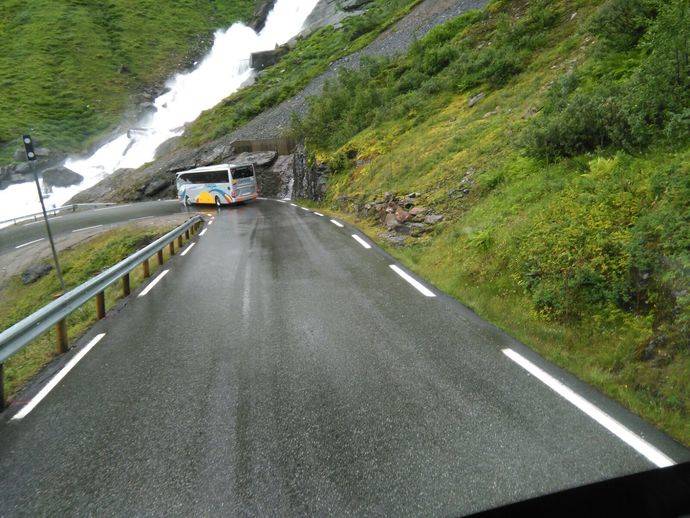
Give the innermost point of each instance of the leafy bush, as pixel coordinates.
(646, 106)
(620, 24)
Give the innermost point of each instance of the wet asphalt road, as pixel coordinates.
(24, 234)
(281, 368)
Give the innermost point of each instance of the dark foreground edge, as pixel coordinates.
(657, 493)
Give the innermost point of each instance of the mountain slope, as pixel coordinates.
(553, 138)
(69, 70)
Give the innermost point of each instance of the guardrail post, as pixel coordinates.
(172, 247)
(160, 257)
(100, 305)
(186, 234)
(179, 241)
(62, 341)
(2, 386)
(125, 285)
(147, 270)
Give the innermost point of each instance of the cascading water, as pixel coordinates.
(219, 74)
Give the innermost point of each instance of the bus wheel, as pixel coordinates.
(218, 201)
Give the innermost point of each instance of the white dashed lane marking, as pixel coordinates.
(361, 241)
(414, 282)
(87, 228)
(153, 283)
(29, 243)
(187, 250)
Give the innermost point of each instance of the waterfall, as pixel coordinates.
(220, 73)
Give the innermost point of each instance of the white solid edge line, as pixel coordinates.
(414, 282)
(153, 283)
(627, 436)
(294, 204)
(186, 250)
(361, 241)
(86, 228)
(337, 223)
(304, 208)
(318, 214)
(29, 243)
(57, 378)
(203, 232)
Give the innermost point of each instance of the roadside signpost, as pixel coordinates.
(31, 157)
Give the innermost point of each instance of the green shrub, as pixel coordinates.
(647, 105)
(621, 24)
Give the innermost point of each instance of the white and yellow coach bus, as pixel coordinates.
(223, 184)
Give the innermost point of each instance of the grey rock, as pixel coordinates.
(267, 58)
(390, 221)
(261, 12)
(259, 159)
(475, 99)
(35, 272)
(22, 168)
(432, 219)
(395, 240)
(61, 177)
(156, 187)
(403, 229)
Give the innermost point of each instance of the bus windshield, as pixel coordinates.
(242, 172)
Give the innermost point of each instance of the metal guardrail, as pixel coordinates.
(54, 212)
(15, 338)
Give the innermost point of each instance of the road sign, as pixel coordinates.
(29, 147)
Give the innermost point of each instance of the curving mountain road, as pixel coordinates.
(283, 367)
(33, 233)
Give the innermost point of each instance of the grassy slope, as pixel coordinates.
(79, 264)
(61, 63)
(522, 215)
(310, 58)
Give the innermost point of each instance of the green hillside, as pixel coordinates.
(565, 189)
(69, 68)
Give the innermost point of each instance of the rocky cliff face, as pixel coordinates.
(309, 179)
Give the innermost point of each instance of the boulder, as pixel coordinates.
(259, 159)
(267, 58)
(475, 99)
(402, 229)
(391, 221)
(35, 272)
(419, 228)
(61, 177)
(393, 239)
(432, 219)
(156, 187)
(261, 14)
(401, 215)
(416, 211)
